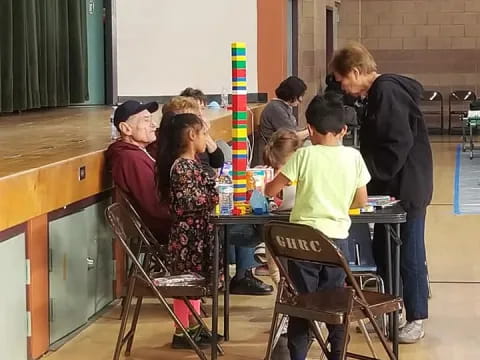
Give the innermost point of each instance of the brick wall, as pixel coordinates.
(435, 41)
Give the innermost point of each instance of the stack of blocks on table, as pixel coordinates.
(239, 123)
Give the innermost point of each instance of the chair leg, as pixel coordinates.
(278, 330)
(273, 329)
(203, 310)
(201, 322)
(122, 307)
(133, 327)
(346, 323)
(124, 319)
(367, 337)
(383, 340)
(129, 277)
(315, 325)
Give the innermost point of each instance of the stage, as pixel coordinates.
(42, 152)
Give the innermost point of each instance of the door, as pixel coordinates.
(329, 41)
(68, 274)
(100, 257)
(292, 37)
(13, 307)
(96, 52)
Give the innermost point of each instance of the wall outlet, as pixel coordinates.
(82, 172)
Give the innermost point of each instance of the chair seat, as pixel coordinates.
(330, 306)
(196, 290)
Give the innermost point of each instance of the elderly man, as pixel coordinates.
(133, 169)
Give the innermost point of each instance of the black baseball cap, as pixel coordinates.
(131, 107)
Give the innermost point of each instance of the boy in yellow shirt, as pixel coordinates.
(331, 179)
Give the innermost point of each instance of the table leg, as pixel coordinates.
(389, 279)
(226, 298)
(215, 281)
(396, 284)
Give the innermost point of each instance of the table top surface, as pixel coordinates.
(391, 215)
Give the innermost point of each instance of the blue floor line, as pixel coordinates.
(456, 186)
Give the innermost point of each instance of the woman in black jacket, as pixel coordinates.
(394, 143)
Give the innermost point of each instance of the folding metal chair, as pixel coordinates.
(124, 199)
(143, 254)
(429, 99)
(361, 262)
(458, 102)
(334, 306)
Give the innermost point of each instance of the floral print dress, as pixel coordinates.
(193, 198)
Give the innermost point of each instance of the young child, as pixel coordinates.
(280, 147)
(243, 238)
(191, 193)
(331, 179)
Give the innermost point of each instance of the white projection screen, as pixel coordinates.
(164, 46)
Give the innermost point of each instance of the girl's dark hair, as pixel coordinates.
(171, 141)
(291, 89)
(326, 113)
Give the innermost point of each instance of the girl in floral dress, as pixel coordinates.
(192, 196)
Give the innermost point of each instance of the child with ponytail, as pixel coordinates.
(190, 191)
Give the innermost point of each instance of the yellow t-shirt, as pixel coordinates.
(327, 178)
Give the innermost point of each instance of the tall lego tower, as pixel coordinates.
(239, 122)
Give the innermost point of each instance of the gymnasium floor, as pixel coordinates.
(451, 333)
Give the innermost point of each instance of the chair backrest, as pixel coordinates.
(432, 96)
(160, 249)
(462, 96)
(360, 246)
(126, 228)
(304, 243)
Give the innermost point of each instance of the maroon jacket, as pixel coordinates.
(133, 171)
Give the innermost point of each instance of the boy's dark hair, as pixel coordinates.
(170, 144)
(291, 89)
(326, 113)
(197, 94)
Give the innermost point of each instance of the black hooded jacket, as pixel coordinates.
(394, 142)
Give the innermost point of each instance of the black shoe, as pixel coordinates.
(249, 285)
(181, 342)
(204, 337)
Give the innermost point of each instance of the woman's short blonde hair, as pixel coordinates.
(281, 145)
(181, 105)
(353, 55)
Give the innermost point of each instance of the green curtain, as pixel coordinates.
(43, 54)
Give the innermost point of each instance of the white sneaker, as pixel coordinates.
(411, 333)
(402, 320)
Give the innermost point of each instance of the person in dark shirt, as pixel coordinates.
(133, 168)
(394, 143)
(354, 105)
(278, 114)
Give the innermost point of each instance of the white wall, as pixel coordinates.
(164, 46)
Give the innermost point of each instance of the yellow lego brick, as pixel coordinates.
(239, 152)
(239, 83)
(239, 58)
(239, 133)
(239, 45)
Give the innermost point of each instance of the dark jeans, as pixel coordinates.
(308, 278)
(242, 239)
(413, 268)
